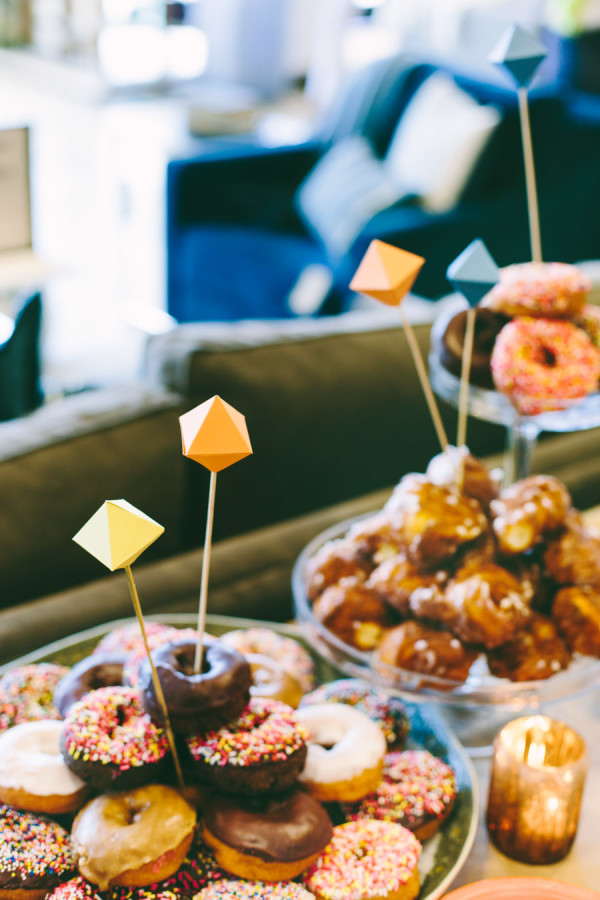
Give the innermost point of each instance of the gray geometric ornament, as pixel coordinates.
(518, 53)
(473, 273)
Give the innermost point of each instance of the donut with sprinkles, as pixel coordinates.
(254, 890)
(547, 289)
(264, 749)
(417, 791)
(27, 693)
(127, 638)
(387, 711)
(35, 855)
(367, 859)
(111, 743)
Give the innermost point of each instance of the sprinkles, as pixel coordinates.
(291, 656)
(255, 890)
(365, 859)
(387, 711)
(127, 638)
(110, 726)
(267, 731)
(26, 694)
(416, 786)
(32, 848)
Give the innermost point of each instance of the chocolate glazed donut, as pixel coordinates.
(488, 325)
(203, 702)
(91, 673)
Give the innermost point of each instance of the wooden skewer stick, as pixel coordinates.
(423, 378)
(205, 570)
(532, 199)
(155, 679)
(465, 372)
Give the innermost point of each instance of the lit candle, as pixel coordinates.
(538, 771)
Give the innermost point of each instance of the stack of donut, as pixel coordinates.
(259, 770)
(537, 339)
(442, 577)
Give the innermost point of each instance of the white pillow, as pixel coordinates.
(438, 141)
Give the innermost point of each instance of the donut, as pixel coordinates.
(542, 364)
(202, 702)
(418, 648)
(529, 511)
(576, 611)
(382, 708)
(135, 658)
(355, 613)
(254, 890)
(75, 889)
(127, 638)
(110, 742)
(133, 838)
(33, 774)
(367, 859)
(271, 838)
(547, 289)
(264, 749)
(417, 791)
(537, 651)
(89, 674)
(333, 561)
(448, 344)
(345, 752)
(284, 650)
(35, 855)
(26, 693)
(270, 679)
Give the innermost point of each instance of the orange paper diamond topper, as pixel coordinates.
(215, 435)
(386, 273)
(117, 534)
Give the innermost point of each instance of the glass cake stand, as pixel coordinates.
(475, 709)
(492, 406)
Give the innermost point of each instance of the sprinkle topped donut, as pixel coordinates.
(127, 638)
(26, 694)
(254, 890)
(107, 735)
(284, 650)
(555, 290)
(387, 711)
(367, 859)
(417, 791)
(35, 853)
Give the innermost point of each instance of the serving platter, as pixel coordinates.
(443, 855)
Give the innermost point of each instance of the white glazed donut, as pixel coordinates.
(345, 752)
(33, 774)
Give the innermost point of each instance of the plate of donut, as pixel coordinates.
(416, 747)
(473, 598)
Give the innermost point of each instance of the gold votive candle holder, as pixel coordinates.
(538, 772)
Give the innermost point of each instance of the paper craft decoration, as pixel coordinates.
(473, 274)
(387, 273)
(215, 435)
(117, 534)
(518, 53)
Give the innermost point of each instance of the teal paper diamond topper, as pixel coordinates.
(473, 273)
(519, 53)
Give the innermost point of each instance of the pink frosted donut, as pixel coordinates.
(27, 694)
(127, 638)
(554, 290)
(541, 364)
(366, 859)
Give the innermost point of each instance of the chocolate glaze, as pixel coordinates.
(202, 702)
(279, 828)
(91, 673)
(488, 325)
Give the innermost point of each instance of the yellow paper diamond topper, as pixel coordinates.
(386, 273)
(117, 534)
(215, 435)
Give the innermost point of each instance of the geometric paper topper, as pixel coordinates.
(117, 534)
(386, 273)
(519, 53)
(474, 273)
(214, 434)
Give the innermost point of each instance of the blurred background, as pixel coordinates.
(112, 91)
